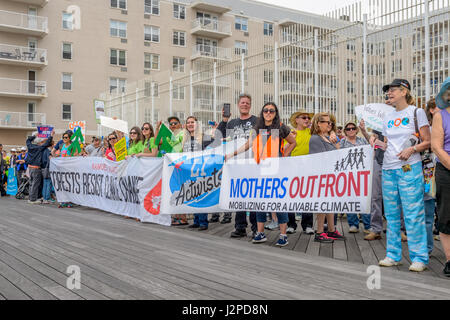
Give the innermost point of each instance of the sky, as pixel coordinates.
(313, 6)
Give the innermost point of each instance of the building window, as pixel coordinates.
(118, 29)
(117, 83)
(179, 11)
(67, 51)
(177, 92)
(179, 38)
(67, 21)
(67, 111)
(396, 65)
(151, 61)
(31, 111)
(349, 86)
(117, 57)
(240, 47)
(241, 23)
(396, 44)
(119, 4)
(268, 52)
(151, 33)
(268, 98)
(268, 29)
(350, 65)
(350, 109)
(178, 64)
(67, 81)
(152, 7)
(268, 76)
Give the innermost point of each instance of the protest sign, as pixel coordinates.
(121, 149)
(114, 124)
(78, 124)
(164, 137)
(117, 187)
(99, 109)
(331, 182)
(44, 131)
(373, 114)
(11, 187)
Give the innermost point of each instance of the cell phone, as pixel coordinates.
(211, 123)
(226, 110)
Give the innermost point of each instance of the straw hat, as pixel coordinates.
(296, 114)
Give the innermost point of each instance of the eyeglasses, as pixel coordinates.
(305, 118)
(392, 89)
(328, 122)
(173, 123)
(350, 129)
(133, 132)
(109, 139)
(269, 110)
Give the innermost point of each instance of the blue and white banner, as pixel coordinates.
(11, 187)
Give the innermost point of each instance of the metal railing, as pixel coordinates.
(206, 105)
(212, 25)
(25, 54)
(21, 119)
(212, 52)
(25, 21)
(23, 87)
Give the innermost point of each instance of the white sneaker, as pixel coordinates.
(388, 262)
(290, 230)
(309, 230)
(417, 267)
(34, 202)
(272, 226)
(353, 229)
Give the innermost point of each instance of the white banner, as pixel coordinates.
(128, 188)
(333, 182)
(373, 114)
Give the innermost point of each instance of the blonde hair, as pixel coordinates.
(315, 122)
(198, 133)
(409, 98)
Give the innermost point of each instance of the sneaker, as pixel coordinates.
(372, 236)
(259, 238)
(193, 226)
(335, 235)
(323, 238)
(446, 270)
(367, 231)
(283, 241)
(290, 230)
(309, 230)
(201, 228)
(238, 234)
(353, 229)
(388, 262)
(215, 219)
(225, 220)
(417, 267)
(272, 226)
(45, 202)
(404, 237)
(34, 202)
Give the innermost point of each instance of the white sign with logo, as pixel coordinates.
(373, 114)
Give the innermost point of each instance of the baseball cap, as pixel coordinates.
(397, 83)
(23, 149)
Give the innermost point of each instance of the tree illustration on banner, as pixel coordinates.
(77, 141)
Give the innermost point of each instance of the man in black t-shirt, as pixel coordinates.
(238, 128)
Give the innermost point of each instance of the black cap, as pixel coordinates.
(397, 83)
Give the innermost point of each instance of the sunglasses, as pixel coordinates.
(109, 139)
(145, 128)
(173, 123)
(66, 137)
(328, 122)
(133, 132)
(305, 118)
(350, 129)
(269, 110)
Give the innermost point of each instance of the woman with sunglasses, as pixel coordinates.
(351, 140)
(65, 152)
(150, 149)
(267, 124)
(320, 142)
(110, 153)
(402, 176)
(136, 142)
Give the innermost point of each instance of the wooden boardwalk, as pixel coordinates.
(122, 259)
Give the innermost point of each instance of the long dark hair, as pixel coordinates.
(152, 132)
(110, 146)
(260, 123)
(139, 136)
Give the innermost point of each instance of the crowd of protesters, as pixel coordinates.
(413, 140)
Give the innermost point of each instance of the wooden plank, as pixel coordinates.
(339, 250)
(302, 243)
(351, 245)
(11, 292)
(293, 239)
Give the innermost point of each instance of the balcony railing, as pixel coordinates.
(23, 22)
(21, 119)
(23, 54)
(201, 50)
(211, 26)
(40, 3)
(22, 88)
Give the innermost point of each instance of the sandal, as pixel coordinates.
(183, 223)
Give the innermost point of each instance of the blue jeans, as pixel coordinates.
(281, 216)
(201, 219)
(404, 191)
(47, 189)
(353, 220)
(430, 206)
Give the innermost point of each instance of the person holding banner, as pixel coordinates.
(110, 154)
(440, 144)
(268, 143)
(407, 133)
(136, 142)
(150, 149)
(65, 152)
(321, 142)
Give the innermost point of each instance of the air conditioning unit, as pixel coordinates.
(124, 40)
(124, 12)
(146, 71)
(123, 69)
(146, 16)
(147, 43)
(246, 34)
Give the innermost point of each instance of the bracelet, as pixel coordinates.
(415, 149)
